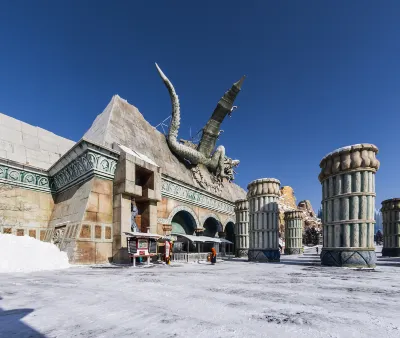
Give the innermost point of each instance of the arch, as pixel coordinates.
(229, 220)
(210, 215)
(212, 225)
(182, 208)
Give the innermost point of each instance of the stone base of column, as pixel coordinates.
(391, 252)
(242, 252)
(294, 251)
(348, 257)
(269, 255)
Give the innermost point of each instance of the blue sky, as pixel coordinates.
(320, 75)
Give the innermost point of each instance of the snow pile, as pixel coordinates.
(26, 254)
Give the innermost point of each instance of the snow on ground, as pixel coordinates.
(26, 254)
(294, 298)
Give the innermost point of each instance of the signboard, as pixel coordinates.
(132, 245)
(143, 243)
(153, 246)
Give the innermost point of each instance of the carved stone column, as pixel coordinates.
(348, 198)
(263, 197)
(293, 232)
(391, 227)
(242, 227)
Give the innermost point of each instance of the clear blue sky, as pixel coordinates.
(320, 75)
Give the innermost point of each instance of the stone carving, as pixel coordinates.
(391, 227)
(24, 178)
(189, 195)
(88, 162)
(58, 235)
(217, 163)
(348, 200)
(134, 213)
(355, 157)
(263, 195)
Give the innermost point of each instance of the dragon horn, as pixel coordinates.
(161, 73)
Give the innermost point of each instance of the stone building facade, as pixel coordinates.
(78, 195)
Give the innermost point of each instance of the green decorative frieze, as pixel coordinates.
(184, 193)
(24, 178)
(87, 164)
(80, 163)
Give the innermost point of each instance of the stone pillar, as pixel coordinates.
(348, 198)
(391, 227)
(242, 227)
(294, 232)
(263, 197)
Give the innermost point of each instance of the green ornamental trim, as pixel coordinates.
(24, 178)
(92, 160)
(184, 193)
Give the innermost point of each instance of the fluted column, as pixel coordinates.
(348, 196)
(293, 232)
(391, 227)
(242, 227)
(263, 197)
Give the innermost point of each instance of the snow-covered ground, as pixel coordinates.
(294, 298)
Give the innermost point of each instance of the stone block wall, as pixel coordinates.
(83, 215)
(24, 212)
(26, 144)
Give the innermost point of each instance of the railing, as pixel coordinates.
(191, 257)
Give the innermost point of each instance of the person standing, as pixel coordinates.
(317, 249)
(213, 256)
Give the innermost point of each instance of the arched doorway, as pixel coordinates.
(211, 227)
(183, 223)
(230, 236)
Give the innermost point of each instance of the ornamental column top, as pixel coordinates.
(293, 214)
(242, 204)
(349, 158)
(391, 204)
(264, 186)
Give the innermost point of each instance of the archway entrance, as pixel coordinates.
(183, 223)
(230, 236)
(211, 227)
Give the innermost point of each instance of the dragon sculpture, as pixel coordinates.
(216, 162)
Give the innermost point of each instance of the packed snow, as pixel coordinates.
(294, 298)
(26, 254)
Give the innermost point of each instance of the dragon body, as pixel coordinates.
(217, 162)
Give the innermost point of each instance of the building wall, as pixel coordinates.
(26, 144)
(84, 214)
(24, 212)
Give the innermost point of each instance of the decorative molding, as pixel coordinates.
(86, 165)
(181, 192)
(81, 162)
(24, 178)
